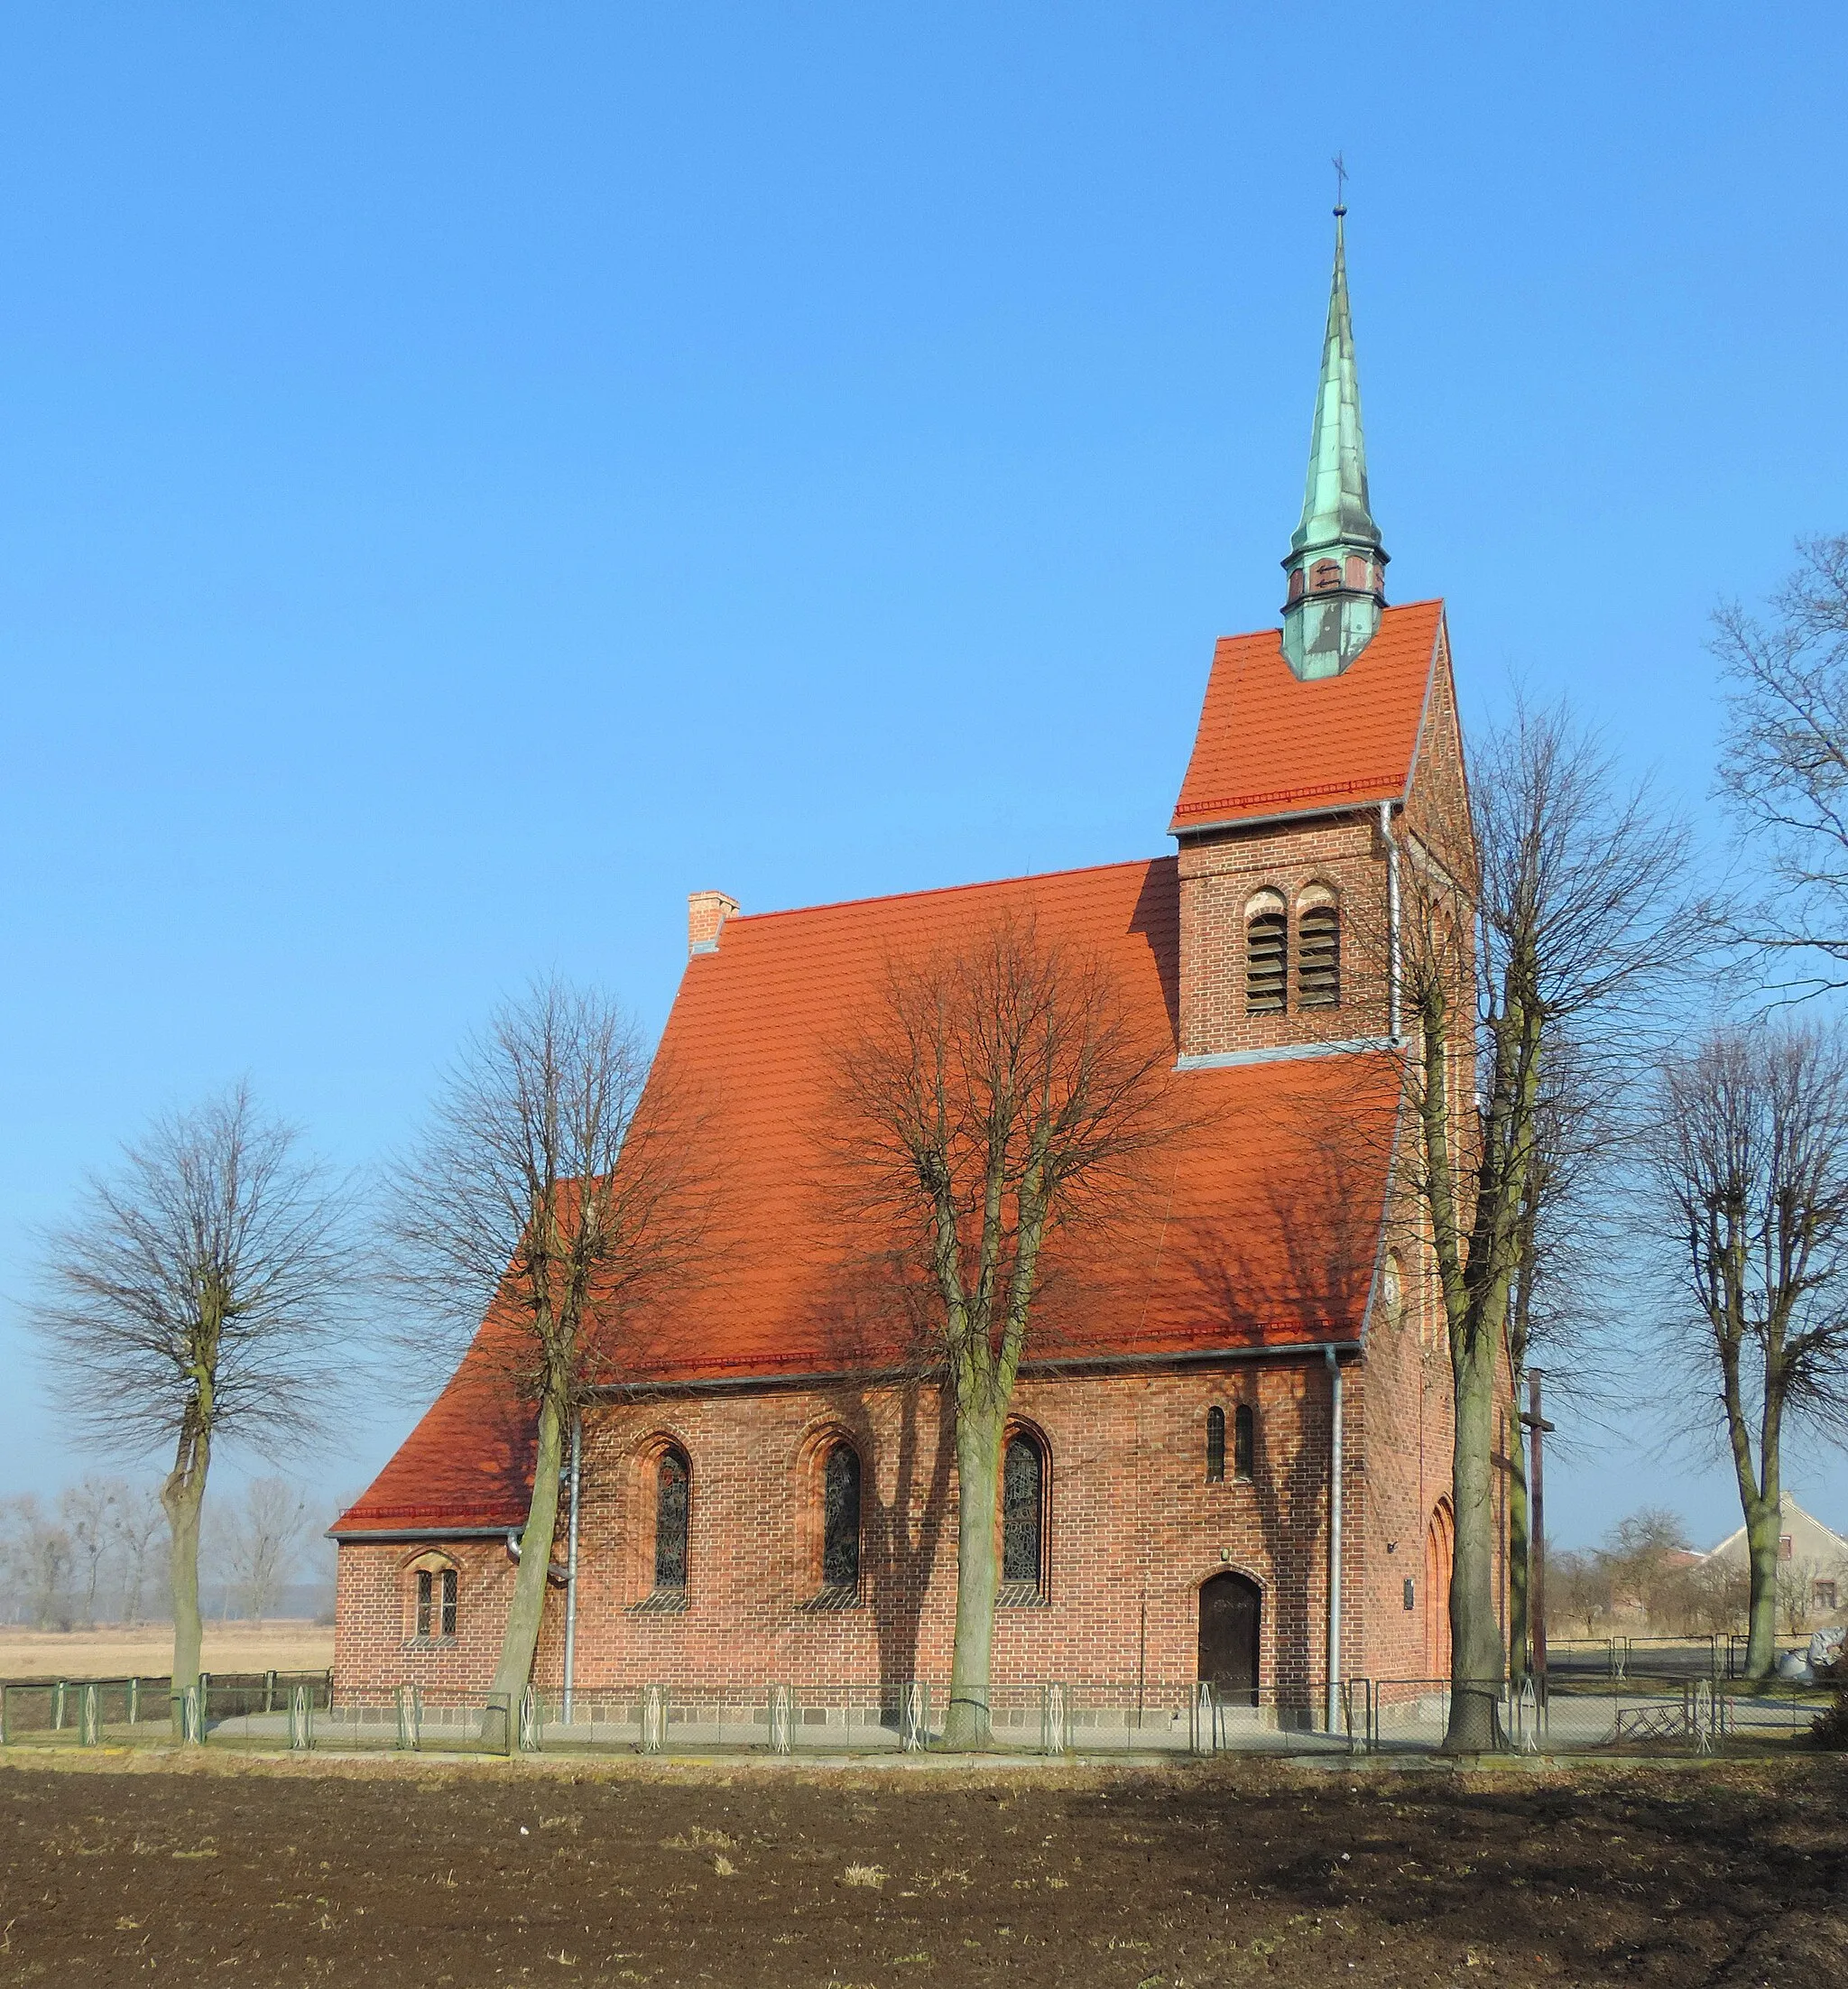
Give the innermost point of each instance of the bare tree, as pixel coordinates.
(37, 1552)
(1646, 1554)
(1530, 951)
(1747, 1157)
(1784, 761)
(263, 1541)
(558, 1185)
(1797, 1583)
(88, 1511)
(193, 1300)
(1716, 1598)
(1580, 1588)
(136, 1524)
(1000, 1099)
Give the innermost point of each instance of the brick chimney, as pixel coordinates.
(706, 911)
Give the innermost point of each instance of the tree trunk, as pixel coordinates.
(182, 1495)
(1762, 1520)
(1476, 1657)
(1519, 1556)
(527, 1610)
(978, 1493)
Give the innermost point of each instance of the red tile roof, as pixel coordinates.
(1259, 1231)
(1270, 744)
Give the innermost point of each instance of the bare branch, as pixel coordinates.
(1784, 763)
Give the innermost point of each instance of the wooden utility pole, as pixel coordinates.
(1538, 1427)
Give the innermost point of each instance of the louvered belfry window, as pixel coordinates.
(1023, 1487)
(1318, 958)
(1266, 963)
(840, 1538)
(671, 1522)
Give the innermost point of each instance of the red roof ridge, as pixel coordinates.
(1391, 782)
(944, 891)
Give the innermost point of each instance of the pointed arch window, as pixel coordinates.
(1244, 1425)
(1319, 951)
(672, 1480)
(1216, 1446)
(435, 1602)
(1022, 1520)
(840, 1519)
(1267, 954)
(434, 1586)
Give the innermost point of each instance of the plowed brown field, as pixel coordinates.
(398, 1873)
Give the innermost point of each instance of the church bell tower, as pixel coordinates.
(1336, 567)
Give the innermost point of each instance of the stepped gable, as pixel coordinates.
(1260, 1227)
(1272, 743)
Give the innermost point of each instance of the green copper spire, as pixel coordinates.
(1335, 565)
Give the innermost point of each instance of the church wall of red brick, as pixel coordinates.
(1133, 1528)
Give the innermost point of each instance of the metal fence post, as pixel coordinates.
(1201, 1723)
(90, 1733)
(5, 1709)
(914, 1718)
(1360, 1743)
(1054, 1720)
(497, 1723)
(58, 1708)
(529, 1721)
(782, 1719)
(300, 1721)
(407, 1719)
(192, 1725)
(133, 1702)
(654, 1718)
(1528, 1717)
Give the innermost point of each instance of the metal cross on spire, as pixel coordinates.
(1340, 184)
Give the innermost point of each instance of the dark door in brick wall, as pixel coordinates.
(1229, 1613)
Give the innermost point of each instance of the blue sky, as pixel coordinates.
(470, 474)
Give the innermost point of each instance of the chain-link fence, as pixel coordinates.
(1585, 1712)
(1664, 1713)
(96, 1712)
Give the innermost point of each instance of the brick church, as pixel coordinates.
(1230, 1449)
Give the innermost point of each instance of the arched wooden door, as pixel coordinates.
(1439, 1552)
(1231, 1614)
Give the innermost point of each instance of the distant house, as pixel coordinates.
(1807, 1551)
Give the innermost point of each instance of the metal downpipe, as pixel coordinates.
(1393, 969)
(1335, 1475)
(571, 1566)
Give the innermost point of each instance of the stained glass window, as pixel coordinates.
(1023, 1487)
(435, 1602)
(840, 1548)
(671, 1522)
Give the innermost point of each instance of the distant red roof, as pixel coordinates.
(1270, 744)
(1258, 1231)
